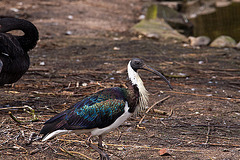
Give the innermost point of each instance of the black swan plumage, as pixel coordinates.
(14, 59)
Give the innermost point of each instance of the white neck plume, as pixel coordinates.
(135, 79)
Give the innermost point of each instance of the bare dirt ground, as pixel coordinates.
(205, 102)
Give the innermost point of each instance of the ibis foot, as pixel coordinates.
(103, 155)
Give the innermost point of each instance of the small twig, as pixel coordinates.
(2, 123)
(30, 138)
(171, 113)
(54, 150)
(8, 108)
(90, 144)
(34, 151)
(218, 144)
(83, 155)
(31, 112)
(51, 110)
(163, 123)
(177, 76)
(62, 154)
(64, 150)
(210, 157)
(203, 125)
(157, 103)
(29, 128)
(151, 108)
(119, 134)
(159, 112)
(13, 148)
(14, 118)
(21, 147)
(198, 133)
(207, 137)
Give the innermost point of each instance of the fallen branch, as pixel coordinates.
(151, 108)
(198, 133)
(228, 145)
(200, 95)
(9, 108)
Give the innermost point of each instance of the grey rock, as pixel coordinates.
(238, 45)
(175, 19)
(199, 41)
(223, 41)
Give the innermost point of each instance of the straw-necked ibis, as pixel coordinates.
(103, 111)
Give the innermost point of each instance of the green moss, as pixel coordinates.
(152, 12)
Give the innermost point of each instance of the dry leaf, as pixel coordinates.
(164, 152)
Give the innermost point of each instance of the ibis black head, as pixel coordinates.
(137, 63)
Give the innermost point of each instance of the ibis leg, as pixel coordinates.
(103, 155)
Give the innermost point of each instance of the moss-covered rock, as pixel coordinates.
(159, 29)
(223, 41)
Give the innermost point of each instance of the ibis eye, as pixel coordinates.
(137, 63)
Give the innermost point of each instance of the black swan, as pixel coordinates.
(14, 59)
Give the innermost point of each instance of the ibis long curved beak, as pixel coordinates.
(150, 69)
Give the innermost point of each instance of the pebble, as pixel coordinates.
(42, 63)
(200, 62)
(68, 33)
(141, 17)
(116, 48)
(14, 9)
(84, 84)
(70, 17)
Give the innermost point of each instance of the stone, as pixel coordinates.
(199, 41)
(176, 5)
(223, 3)
(238, 45)
(157, 29)
(175, 19)
(196, 7)
(223, 41)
